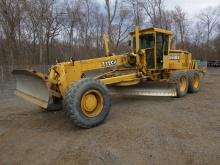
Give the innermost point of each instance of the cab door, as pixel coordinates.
(147, 43)
(162, 49)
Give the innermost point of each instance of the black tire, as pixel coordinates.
(55, 104)
(194, 81)
(73, 102)
(176, 78)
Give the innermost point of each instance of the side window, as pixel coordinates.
(166, 43)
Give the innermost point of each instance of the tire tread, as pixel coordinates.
(70, 100)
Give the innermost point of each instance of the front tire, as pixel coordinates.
(87, 102)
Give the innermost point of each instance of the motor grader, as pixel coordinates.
(87, 100)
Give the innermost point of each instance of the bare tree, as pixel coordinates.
(136, 9)
(10, 11)
(111, 13)
(123, 27)
(100, 29)
(38, 31)
(180, 24)
(41, 14)
(209, 19)
(72, 16)
(154, 10)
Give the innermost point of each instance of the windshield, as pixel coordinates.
(146, 41)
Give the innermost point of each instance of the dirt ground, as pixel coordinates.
(138, 130)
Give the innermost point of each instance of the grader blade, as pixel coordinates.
(146, 89)
(31, 86)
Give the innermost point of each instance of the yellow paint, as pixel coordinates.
(92, 103)
(152, 30)
(64, 74)
(196, 81)
(137, 39)
(183, 84)
(120, 79)
(155, 51)
(106, 41)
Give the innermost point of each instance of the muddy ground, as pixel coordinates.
(138, 130)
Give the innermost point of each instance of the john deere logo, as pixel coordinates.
(174, 57)
(109, 63)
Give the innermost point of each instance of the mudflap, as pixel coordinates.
(146, 89)
(32, 86)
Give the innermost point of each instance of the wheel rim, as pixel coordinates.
(183, 84)
(92, 103)
(196, 81)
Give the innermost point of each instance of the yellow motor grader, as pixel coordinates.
(87, 100)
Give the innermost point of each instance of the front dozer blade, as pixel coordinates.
(32, 87)
(146, 89)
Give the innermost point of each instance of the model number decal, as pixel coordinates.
(109, 63)
(174, 57)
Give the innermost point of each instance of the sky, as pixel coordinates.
(192, 7)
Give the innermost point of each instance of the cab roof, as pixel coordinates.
(152, 30)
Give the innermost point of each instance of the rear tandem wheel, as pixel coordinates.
(194, 81)
(180, 79)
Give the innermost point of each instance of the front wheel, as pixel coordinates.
(87, 102)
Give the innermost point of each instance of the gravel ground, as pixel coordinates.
(138, 130)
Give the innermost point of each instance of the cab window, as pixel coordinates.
(162, 43)
(146, 41)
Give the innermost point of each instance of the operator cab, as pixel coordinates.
(156, 43)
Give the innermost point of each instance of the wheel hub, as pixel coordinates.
(183, 84)
(92, 103)
(196, 81)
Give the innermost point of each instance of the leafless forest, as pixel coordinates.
(34, 32)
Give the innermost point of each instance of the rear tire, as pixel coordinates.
(194, 81)
(180, 79)
(87, 102)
